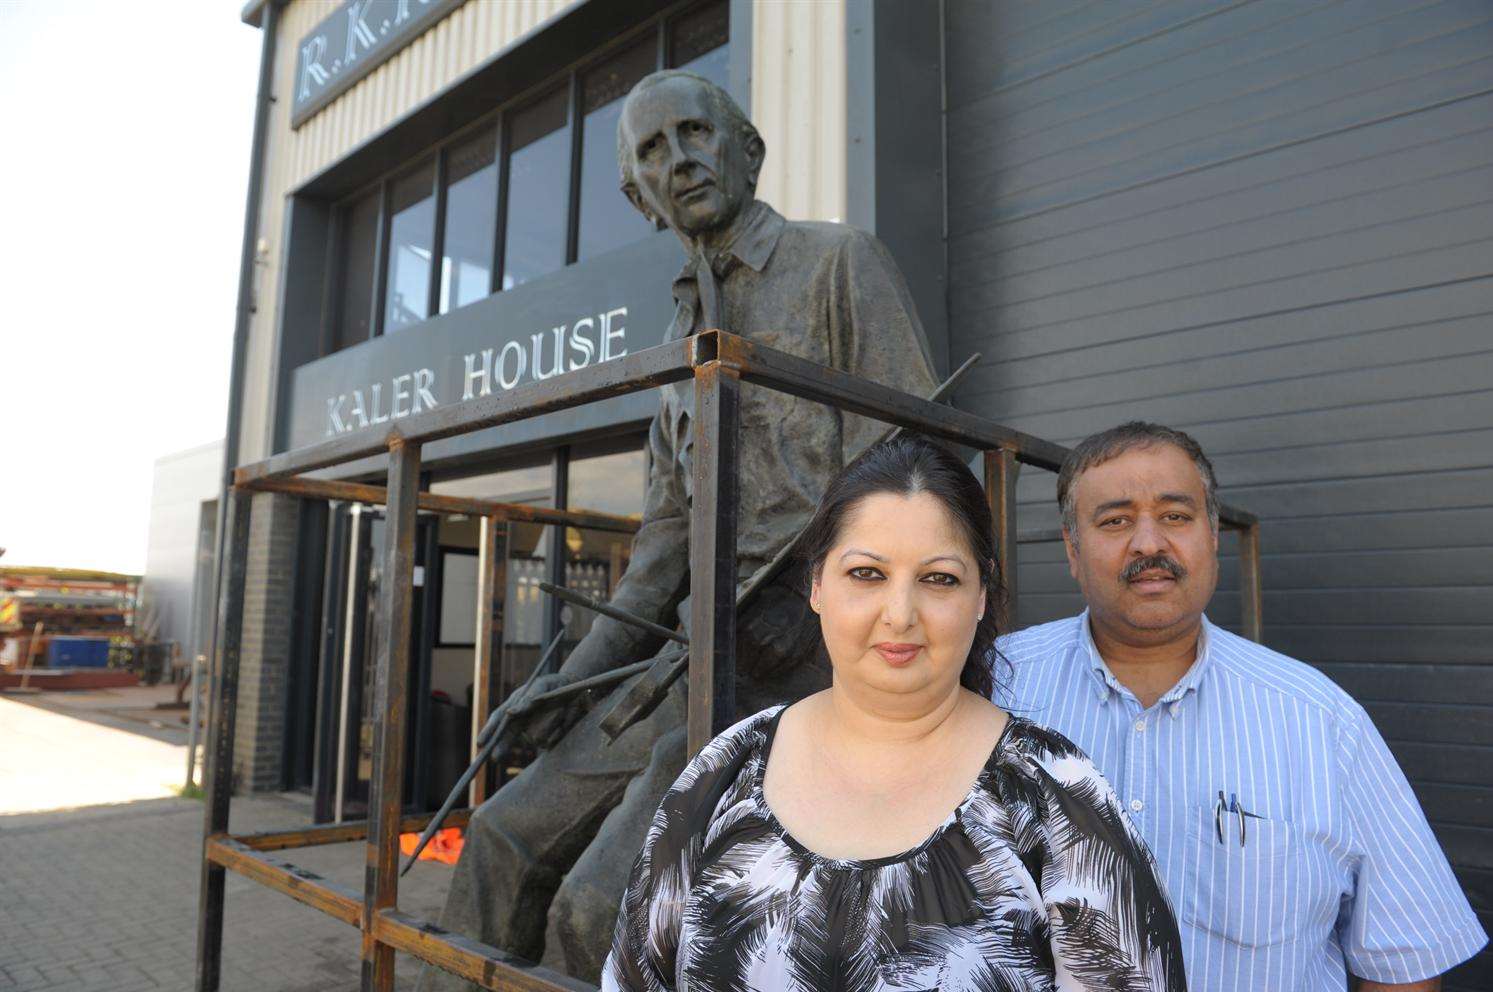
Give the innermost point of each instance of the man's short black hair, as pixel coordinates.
(1096, 449)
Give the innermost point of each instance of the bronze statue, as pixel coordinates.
(546, 858)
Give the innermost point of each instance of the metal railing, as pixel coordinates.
(718, 363)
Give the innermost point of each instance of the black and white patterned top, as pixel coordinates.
(1037, 880)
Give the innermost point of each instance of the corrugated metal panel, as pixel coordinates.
(1267, 224)
(798, 104)
(451, 48)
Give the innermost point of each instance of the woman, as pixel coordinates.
(896, 831)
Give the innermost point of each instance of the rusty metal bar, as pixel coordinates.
(790, 374)
(646, 369)
(483, 964)
(712, 553)
(302, 885)
(1251, 612)
(391, 675)
(1001, 471)
(492, 580)
(217, 770)
(336, 833)
(822, 384)
(357, 492)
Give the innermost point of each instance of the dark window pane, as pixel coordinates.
(359, 239)
(607, 220)
(697, 42)
(411, 238)
(471, 216)
(538, 190)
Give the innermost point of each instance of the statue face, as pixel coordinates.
(690, 169)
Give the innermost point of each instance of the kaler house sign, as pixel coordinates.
(594, 311)
(345, 47)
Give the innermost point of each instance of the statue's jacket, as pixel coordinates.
(828, 293)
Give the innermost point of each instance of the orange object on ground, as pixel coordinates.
(444, 847)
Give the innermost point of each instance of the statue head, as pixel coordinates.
(688, 155)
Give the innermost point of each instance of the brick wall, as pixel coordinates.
(265, 657)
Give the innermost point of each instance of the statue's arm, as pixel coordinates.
(875, 331)
(657, 577)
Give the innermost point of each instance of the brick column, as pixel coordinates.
(265, 660)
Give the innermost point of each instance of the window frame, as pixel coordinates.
(660, 24)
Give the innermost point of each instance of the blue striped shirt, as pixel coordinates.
(1336, 867)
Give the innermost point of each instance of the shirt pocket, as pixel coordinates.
(1242, 893)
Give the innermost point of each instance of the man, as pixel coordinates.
(825, 292)
(1294, 851)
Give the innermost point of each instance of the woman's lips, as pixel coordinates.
(897, 655)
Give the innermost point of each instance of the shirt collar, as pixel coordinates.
(753, 244)
(1105, 681)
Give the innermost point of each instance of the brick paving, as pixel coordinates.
(104, 899)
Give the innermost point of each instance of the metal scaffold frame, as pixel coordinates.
(718, 363)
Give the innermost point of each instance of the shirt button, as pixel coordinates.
(1140, 725)
(1136, 805)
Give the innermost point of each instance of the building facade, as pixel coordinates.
(176, 592)
(1266, 224)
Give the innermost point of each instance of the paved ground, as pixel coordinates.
(61, 749)
(104, 898)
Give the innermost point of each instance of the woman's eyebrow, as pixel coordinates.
(956, 559)
(861, 551)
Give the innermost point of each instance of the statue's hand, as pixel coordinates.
(544, 723)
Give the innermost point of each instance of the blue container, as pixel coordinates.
(78, 652)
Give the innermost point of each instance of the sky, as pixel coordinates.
(125, 130)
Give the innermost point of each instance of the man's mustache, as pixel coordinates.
(1153, 563)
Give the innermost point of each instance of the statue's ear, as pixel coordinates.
(756, 153)
(630, 190)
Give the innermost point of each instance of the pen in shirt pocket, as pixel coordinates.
(1221, 807)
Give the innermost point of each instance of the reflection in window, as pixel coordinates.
(411, 241)
(697, 43)
(612, 483)
(595, 560)
(607, 220)
(524, 602)
(538, 164)
(471, 215)
(359, 236)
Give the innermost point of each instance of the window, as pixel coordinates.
(471, 218)
(528, 191)
(610, 478)
(607, 220)
(538, 153)
(360, 240)
(697, 43)
(528, 553)
(411, 249)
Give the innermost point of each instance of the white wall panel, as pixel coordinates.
(798, 104)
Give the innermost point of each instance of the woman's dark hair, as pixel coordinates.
(906, 466)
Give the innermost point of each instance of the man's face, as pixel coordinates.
(1147, 553)
(690, 170)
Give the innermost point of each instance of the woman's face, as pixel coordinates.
(898, 598)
